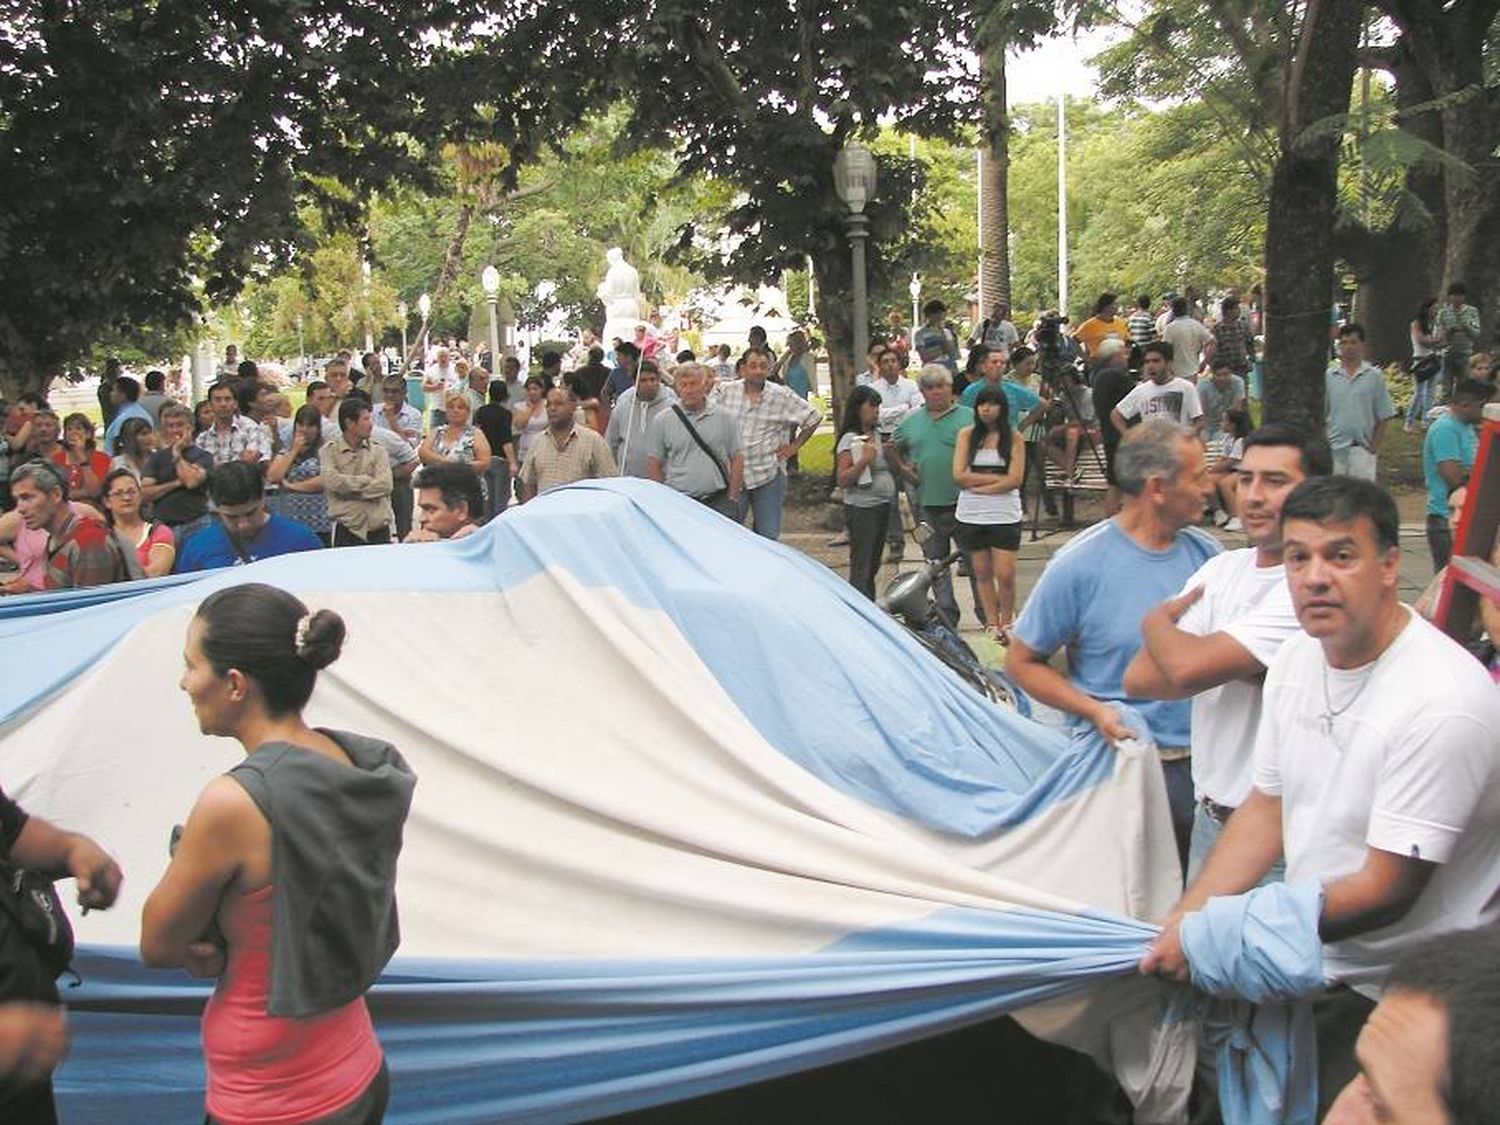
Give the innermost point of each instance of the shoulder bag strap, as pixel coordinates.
(130, 562)
(703, 445)
(239, 548)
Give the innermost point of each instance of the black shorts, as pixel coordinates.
(991, 536)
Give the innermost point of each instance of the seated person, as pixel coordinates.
(79, 551)
(449, 501)
(1072, 418)
(243, 531)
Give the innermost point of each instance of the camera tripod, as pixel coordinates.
(1055, 372)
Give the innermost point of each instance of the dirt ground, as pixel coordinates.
(811, 518)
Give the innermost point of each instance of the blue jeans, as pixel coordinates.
(1178, 775)
(1421, 403)
(1206, 832)
(942, 521)
(764, 505)
(895, 533)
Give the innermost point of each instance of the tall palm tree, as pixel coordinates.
(994, 167)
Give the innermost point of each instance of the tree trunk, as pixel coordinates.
(1472, 200)
(1303, 205)
(452, 258)
(1448, 43)
(1400, 266)
(1392, 283)
(1424, 182)
(835, 313)
(994, 171)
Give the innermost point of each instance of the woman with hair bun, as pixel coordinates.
(260, 892)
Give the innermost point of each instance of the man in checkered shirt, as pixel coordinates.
(232, 437)
(774, 424)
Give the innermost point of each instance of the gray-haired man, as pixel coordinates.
(922, 455)
(1095, 591)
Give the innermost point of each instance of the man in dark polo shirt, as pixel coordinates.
(175, 480)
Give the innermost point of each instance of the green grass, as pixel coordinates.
(817, 455)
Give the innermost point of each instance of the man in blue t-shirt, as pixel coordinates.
(1448, 454)
(1095, 591)
(935, 341)
(244, 531)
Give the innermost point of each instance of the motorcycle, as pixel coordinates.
(908, 598)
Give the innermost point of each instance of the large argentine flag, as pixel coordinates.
(691, 813)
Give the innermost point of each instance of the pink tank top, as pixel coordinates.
(268, 1070)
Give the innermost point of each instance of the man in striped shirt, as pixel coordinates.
(1141, 324)
(774, 425)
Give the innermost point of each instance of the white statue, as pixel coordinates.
(621, 293)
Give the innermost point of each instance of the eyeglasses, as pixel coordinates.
(124, 494)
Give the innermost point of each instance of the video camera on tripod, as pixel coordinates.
(1055, 350)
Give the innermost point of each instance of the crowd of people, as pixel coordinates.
(1274, 680)
(241, 476)
(971, 439)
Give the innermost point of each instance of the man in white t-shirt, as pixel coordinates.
(899, 396)
(435, 383)
(1159, 394)
(1377, 768)
(1214, 641)
(1191, 340)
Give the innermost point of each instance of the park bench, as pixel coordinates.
(1088, 477)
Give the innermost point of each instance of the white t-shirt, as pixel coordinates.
(984, 508)
(1175, 400)
(897, 400)
(1412, 767)
(1188, 338)
(1252, 605)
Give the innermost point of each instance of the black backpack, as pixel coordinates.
(36, 938)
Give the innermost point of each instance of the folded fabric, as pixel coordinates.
(1259, 956)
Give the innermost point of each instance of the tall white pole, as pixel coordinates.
(1062, 205)
(979, 222)
(812, 295)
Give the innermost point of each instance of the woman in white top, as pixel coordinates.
(1426, 362)
(134, 446)
(869, 487)
(989, 464)
(529, 417)
(458, 439)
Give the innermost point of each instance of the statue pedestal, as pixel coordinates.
(619, 328)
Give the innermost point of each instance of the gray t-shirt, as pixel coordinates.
(685, 466)
(1215, 401)
(1354, 407)
(882, 486)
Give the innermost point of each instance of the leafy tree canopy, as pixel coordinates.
(158, 153)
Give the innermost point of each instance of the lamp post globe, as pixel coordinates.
(424, 306)
(855, 176)
(489, 279)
